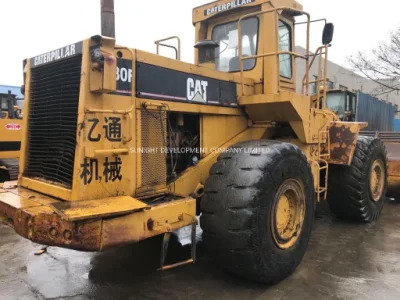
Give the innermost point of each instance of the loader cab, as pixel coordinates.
(343, 103)
(9, 107)
(262, 35)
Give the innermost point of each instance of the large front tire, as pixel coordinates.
(258, 210)
(357, 192)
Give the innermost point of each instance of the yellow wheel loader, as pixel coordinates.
(10, 137)
(121, 145)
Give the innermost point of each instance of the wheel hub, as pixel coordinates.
(288, 213)
(377, 180)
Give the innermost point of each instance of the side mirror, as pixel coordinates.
(327, 36)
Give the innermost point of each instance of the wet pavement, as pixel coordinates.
(344, 261)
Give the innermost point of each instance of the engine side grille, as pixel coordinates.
(52, 120)
(154, 135)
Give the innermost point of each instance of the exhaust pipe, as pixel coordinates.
(107, 18)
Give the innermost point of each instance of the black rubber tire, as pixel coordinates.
(12, 168)
(4, 175)
(236, 209)
(349, 195)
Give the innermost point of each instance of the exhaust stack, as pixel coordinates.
(107, 18)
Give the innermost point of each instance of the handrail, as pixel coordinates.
(177, 50)
(323, 50)
(311, 64)
(108, 111)
(313, 21)
(277, 53)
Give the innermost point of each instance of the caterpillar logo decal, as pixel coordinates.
(56, 55)
(154, 82)
(226, 6)
(196, 90)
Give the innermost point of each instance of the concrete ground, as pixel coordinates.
(344, 261)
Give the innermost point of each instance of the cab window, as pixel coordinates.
(337, 103)
(4, 103)
(227, 54)
(285, 44)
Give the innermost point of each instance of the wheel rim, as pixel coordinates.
(288, 213)
(377, 180)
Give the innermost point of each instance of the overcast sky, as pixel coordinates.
(32, 27)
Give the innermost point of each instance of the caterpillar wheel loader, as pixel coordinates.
(121, 145)
(10, 137)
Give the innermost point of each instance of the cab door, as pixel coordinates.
(287, 64)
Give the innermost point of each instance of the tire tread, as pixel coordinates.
(348, 194)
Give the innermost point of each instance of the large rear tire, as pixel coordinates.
(357, 192)
(11, 168)
(258, 210)
(4, 175)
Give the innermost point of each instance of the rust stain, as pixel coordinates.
(150, 224)
(343, 142)
(41, 225)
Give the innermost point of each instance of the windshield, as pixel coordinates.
(4, 103)
(227, 54)
(337, 103)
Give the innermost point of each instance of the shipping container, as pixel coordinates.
(379, 114)
(397, 125)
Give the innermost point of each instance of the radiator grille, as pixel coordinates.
(52, 120)
(154, 134)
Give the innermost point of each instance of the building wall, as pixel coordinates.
(342, 77)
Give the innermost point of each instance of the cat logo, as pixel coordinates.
(197, 90)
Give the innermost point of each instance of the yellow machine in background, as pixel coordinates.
(120, 145)
(10, 137)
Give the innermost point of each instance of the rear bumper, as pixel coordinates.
(36, 217)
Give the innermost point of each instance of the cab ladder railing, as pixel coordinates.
(323, 155)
